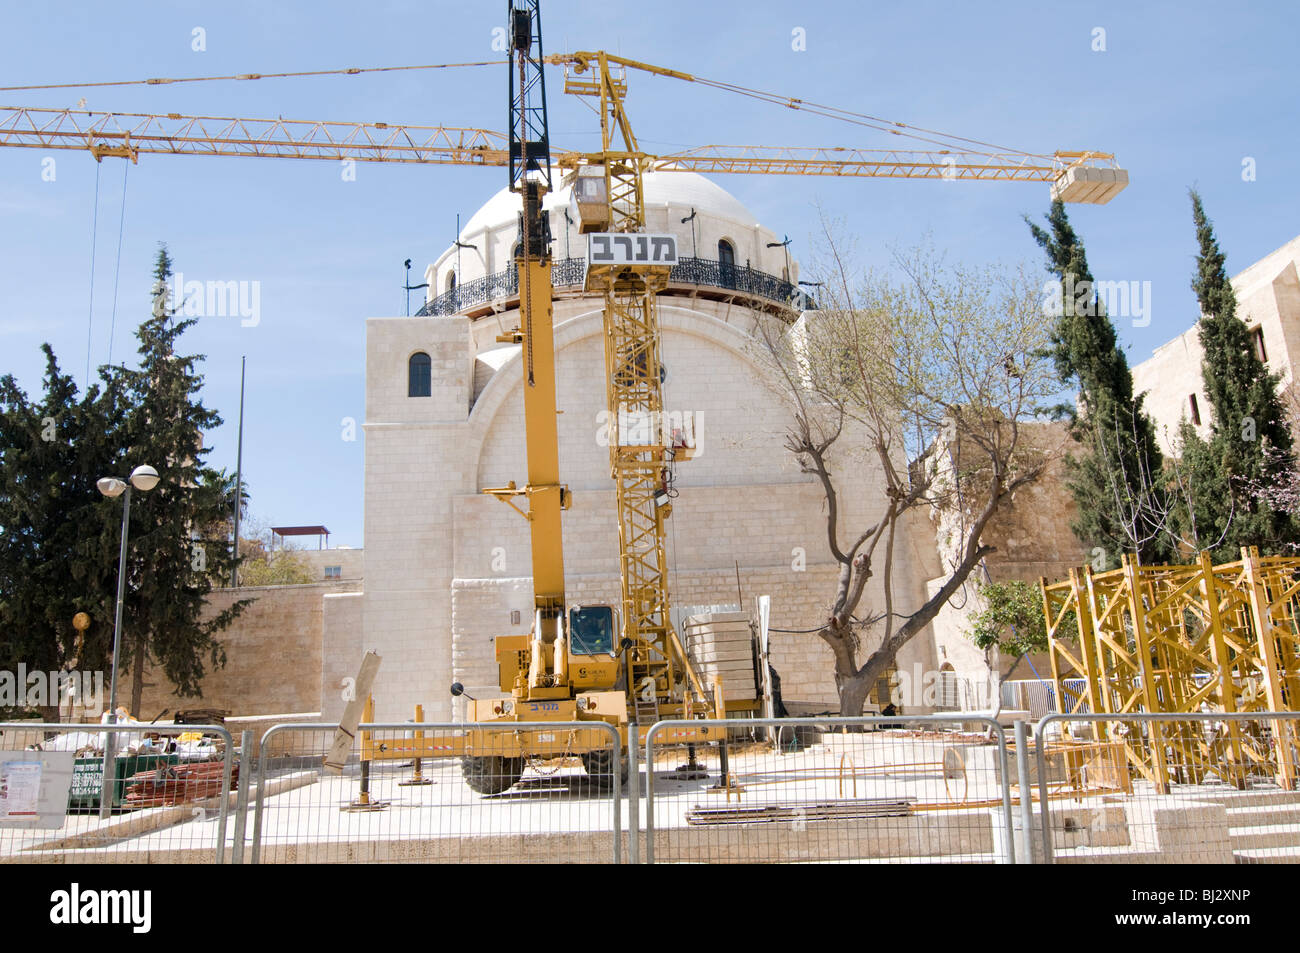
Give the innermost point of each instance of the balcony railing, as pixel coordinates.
(569, 273)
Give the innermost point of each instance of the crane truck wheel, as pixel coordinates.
(599, 766)
(491, 774)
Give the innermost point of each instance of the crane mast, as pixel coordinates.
(639, 454)
(530, 176)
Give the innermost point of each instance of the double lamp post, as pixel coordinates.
(143, 478)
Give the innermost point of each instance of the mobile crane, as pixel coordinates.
(621, 664)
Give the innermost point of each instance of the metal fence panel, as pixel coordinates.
(1205, 788)
(475, 799)
(867, 790)
(170, 795)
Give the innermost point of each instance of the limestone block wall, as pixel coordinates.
(351, 562)
(274, 655)
(342, 647)
(416, 459)
(1032, 538)
(1268, 297)
(481, 614)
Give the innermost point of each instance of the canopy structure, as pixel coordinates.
(320, 532)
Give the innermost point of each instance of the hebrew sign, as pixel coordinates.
(620, 248)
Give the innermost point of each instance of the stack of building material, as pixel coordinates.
(177, 784)
(808, 811)
(722, 644)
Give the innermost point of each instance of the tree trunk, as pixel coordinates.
(137, 681)
(853, 695)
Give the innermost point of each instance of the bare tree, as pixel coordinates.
(932, 375)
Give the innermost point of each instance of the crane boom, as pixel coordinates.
(128, 135)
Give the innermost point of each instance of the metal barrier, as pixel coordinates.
(473, 798)
(1203, 788)
(170, 794)
(872, 790)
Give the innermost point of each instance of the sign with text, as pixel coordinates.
(621, 248)
(34, 788)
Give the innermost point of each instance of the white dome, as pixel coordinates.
(721, 226)
(680, 189)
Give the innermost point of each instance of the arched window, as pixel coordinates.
(726, 263)
(419, 375)
(451, 281)
(948, 699)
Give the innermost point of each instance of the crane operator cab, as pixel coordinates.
(582, 655)
(593, 650)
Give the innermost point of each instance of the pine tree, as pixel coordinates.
(58, 542)
(59, 537)
(1115, 479)
(179, 543)
(1249, 443)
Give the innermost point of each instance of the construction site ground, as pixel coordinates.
(821, 803)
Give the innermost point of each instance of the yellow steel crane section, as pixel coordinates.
(128, 135)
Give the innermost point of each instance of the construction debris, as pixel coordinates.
(812, 811)
(178, 784)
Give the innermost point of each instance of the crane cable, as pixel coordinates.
(163, 80)
(117, 269)
(90, 311)
(890, 126)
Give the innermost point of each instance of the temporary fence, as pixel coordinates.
(1133, 788)
(535, 792)
(868, 790)
(167, 799)
(1204, 788)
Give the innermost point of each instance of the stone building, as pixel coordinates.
(446, 567)
(1268, 300)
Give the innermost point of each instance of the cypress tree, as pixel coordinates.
(1249, 443)
(1115, 479)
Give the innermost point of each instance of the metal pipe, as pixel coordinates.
(241, 797)
(1024, 848)
(107, 790)
(239, 476)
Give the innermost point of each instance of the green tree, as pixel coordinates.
(176, 552)
(1249, 443)
(53, 558)
(1012, 624)
(1115, 479)
(59, 537)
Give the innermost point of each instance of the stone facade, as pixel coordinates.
(446, 568)
(275, 654)
(1268, 300)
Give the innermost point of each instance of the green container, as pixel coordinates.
(88, 775)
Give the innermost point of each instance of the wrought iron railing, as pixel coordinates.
(570, 272)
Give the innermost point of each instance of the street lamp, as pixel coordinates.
(144, 478)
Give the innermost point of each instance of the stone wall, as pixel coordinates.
(1032, 538)
(273, 650)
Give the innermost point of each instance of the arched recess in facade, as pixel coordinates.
(500, 393)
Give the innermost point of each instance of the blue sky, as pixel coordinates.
(1182, 94)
